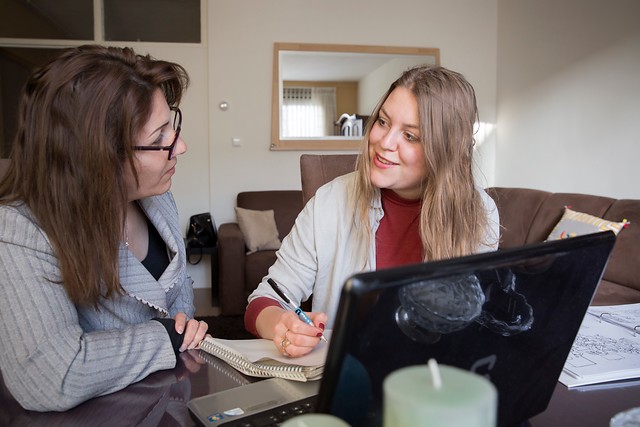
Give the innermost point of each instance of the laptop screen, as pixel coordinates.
(510, 315)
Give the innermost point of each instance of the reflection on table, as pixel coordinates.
(161, 400)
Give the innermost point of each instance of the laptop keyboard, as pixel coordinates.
(275, 416)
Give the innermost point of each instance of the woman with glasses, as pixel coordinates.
(94, 293)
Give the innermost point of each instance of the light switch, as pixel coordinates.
(236, 142)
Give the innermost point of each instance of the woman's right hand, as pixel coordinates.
(295, 338)
(193, 330)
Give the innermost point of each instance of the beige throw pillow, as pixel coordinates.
(575, 223)
(258, 229)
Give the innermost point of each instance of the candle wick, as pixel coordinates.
(435, 374)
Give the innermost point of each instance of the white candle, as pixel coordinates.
(415, 396)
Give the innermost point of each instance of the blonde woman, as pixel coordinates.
(412, 198)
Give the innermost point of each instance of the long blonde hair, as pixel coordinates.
(80, 116)
(453, 219)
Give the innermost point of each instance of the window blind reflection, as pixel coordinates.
(308, 111)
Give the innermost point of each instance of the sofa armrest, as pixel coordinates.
(231, 269)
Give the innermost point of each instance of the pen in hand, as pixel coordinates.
(301, 314)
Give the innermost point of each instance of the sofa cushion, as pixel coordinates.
(611, 293)
(575, 223)
(286, 205)
(258, 229)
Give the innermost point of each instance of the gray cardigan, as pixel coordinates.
(55, 355)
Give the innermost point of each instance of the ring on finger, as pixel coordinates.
(285, 342)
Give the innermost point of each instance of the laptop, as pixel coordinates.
(510, 315)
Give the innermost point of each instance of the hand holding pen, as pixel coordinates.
(301, 314)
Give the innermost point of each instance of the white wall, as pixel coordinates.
(241, 37)
(569, 96)
(559, 76)
(239, 46)
(241, 34)
(374, 84)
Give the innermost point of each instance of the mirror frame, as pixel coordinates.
(325, 143)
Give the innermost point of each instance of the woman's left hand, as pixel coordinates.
(193, 330)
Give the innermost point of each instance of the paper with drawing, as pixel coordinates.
(607, 347)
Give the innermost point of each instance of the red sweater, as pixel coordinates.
(398, 236)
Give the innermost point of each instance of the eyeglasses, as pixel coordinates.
(177, 126)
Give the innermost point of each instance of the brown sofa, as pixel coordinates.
(528, 216)
(238, 273)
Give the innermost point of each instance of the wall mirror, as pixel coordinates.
(323, 93)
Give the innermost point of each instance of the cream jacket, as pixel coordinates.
(323, 248)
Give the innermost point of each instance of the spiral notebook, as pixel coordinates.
(259, 358)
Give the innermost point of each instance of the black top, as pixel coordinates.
(157, 258)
